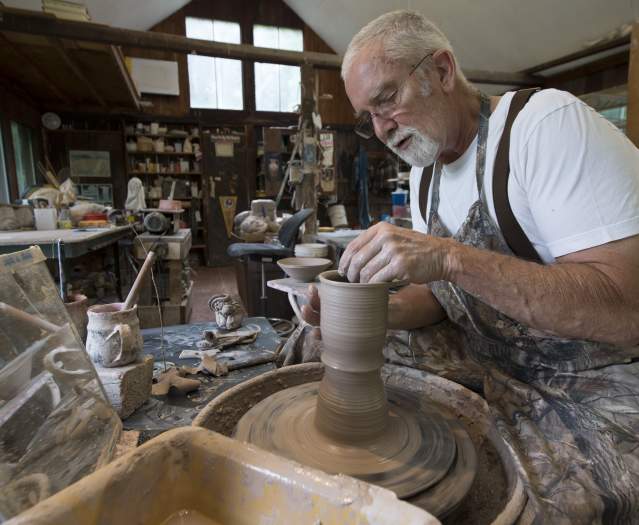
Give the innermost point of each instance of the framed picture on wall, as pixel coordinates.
(89, 164)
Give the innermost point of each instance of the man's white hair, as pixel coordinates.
(404, 36)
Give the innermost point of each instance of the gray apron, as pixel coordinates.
(569, 408)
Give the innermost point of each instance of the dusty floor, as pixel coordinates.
(208, 282)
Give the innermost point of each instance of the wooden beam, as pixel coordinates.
(589, 51)
(68, 60)
(502, 79)
(35, 23)
(42, 24)
(130, 84)
(632, 122)
(49, 83)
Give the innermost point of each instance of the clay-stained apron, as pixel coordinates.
(569, 408)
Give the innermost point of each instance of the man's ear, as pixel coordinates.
(445, 69)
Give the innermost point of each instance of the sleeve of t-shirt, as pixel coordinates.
(580, 177)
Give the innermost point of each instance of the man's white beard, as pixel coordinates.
(422, 150)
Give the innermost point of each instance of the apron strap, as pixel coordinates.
(424, 185)
(511, 229)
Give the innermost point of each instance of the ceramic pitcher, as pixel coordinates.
(77, 310)
(113, 335)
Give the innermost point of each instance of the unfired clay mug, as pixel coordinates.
(113, 335)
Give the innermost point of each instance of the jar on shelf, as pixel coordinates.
(158, 145)
(131, 145)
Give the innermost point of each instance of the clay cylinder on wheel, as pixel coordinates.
(351, 404)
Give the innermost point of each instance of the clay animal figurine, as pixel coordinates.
(229, 312)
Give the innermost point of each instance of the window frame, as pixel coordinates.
(254, 63)
(234, 111)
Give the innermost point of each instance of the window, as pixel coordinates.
(4, 186)
(214, 83)
(618, 116)
(22, 137)
(277, 87)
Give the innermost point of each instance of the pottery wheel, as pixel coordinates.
(415, 451)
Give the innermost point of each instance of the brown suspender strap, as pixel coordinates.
(424, 184)
(510, 228)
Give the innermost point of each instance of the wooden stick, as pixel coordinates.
(135, 289)
(21, 315)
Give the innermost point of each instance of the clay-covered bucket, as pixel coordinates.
(113, 335)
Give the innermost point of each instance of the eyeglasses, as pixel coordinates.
(364, 125)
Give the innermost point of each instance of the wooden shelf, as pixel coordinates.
(136, 173)
(164, 153)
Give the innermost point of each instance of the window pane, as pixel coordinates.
(202, 82)
(265, 36)
(4, 185)
(290, 89)
(267, 87)
(229, 93)
(291, 39)
(199, 28)
(23, 153)
(228, 32)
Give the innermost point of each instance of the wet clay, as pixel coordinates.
(345, 424)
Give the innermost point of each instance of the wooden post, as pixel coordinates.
(632, 124)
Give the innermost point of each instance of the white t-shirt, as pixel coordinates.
(574, 177)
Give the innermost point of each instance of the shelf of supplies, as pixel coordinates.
(165, 136)
(136, 173)
(163, 153)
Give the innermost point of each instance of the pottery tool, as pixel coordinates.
(135, 289)
(21, 315)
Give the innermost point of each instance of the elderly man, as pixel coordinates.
(524, 262)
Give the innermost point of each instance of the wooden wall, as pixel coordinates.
(247, 13)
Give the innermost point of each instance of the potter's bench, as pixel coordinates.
(161, 413)
(67, 244)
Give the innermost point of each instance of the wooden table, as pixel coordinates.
(68, 244)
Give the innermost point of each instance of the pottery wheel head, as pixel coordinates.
(415, 451)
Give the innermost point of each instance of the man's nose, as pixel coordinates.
(383, 127)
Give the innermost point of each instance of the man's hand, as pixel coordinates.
(311, 311)
(386, 252)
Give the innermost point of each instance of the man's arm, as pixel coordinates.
(592, 294)
(412, 307)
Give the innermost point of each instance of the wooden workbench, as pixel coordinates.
(67, 244)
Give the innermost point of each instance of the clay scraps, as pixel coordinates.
(173, 379)
(212, 339)
(209, 365)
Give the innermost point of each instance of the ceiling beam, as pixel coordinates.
(68, 60)
(118, 58)
(32, 22)
(577, 55)
(502, 79)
